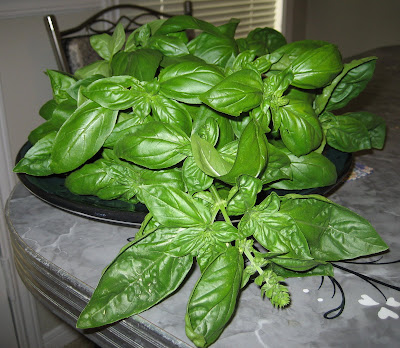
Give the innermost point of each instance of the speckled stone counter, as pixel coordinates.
(60, 257)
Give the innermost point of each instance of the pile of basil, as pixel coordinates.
(195, 130)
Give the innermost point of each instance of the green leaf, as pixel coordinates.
(333, 232)
(224, 231)
(107, 46)
(60, 83)
(237, 93)
(168, 45)
(168, 177)
(276, 233)
(154, 145)
(124, 127)
(81, 136)
(100, 67)
(194, 178)
(141, 64)
(252, 154)
(317, 68)
(214, 49)
(289, 53)
(41, 131)
(62, 112)
(180, 23)
(245, 195)
(106, 179)
(300, 128)
(37, 159)
(140, 277)
(278, 166)
(140, 36)
(264, 40)
(344, 133)
(375, 125)
(46, 110)
(186, 81)
(116, 92)
(207, 157)
(325, 269)
(312, 170)
(346, 86)
(172, 207)
(170, 111)
(187, 241)
(214, 297)
(225, 134)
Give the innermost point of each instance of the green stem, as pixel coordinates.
(220, 206)
(250, 257)
(146, 220)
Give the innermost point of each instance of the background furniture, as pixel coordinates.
(72, 47)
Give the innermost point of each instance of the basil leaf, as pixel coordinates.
(140, 36)
(107, 46)
(168, 177)
(171, 111)
(179, 23)
(325, 269)
(62, 112)
(346, 86)
(290, 52)
(265, 40)
(225, 134)
(37, 159)
(46, 110)
(312, 170)
(81, 136)
(186, 81)
(116, 92)
(194, 178)
(333, 232)
(375, 125)
(224, 232)
(214, 49)
(141, 64)
(317, 68)
(106, 179)
(60, 83)
(245, 195)
(237, 93)
(298, 266)
(41, 131)
(168, 45)
(154, 145)
(277, 233)
(172, 207)
(121, 293)
(123, 128)
(100, 67)
(207, 157)
(252, 154)
(214, 297)
(300, 128)
(278, 166)
(344, 133)
(187, 241)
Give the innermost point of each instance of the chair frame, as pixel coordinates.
(56, 36)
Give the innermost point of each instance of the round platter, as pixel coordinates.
(52, 190)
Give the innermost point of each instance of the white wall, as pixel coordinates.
(25, 53)
(354, 25)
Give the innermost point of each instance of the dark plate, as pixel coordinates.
(51, 189)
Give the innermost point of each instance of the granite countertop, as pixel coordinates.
(79, 249)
